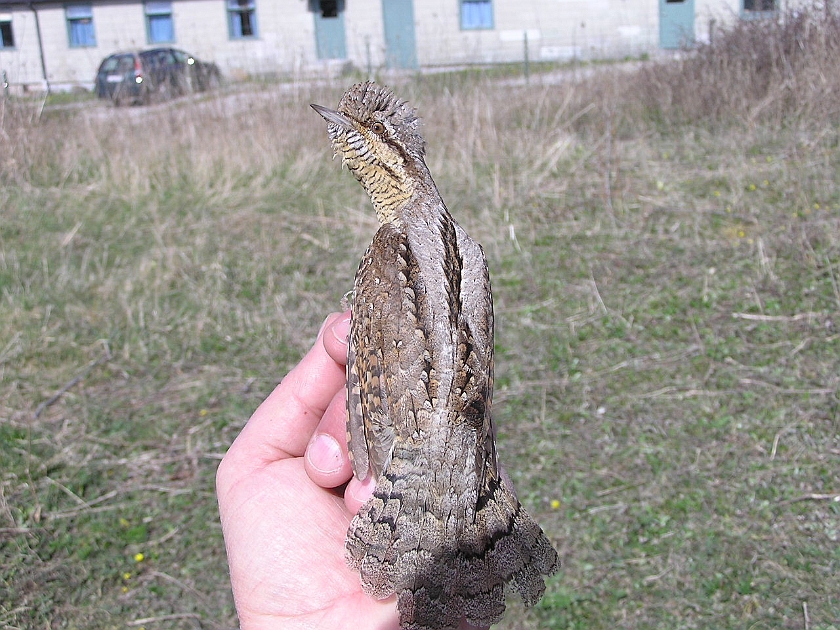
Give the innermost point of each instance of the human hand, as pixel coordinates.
(283, 521)
(284, 525)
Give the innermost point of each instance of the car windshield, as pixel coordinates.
(156, 58)
(119, 63)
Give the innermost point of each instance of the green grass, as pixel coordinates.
(668, 354)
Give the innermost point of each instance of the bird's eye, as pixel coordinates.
(378, 128)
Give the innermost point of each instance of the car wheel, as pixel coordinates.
(214, 81)
(187, 83)
(164, 91)
(117, 97)
(145, 96)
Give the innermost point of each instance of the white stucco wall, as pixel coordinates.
(285, 41)
(561, 29)
(364, 29)
(22, 63)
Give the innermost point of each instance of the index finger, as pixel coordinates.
(282, 425)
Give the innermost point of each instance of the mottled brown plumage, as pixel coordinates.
(443, 531)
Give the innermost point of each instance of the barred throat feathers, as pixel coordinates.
(378, 137)
(383, 171)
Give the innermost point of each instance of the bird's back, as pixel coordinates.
(442, 531)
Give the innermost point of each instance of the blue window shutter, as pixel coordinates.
(160, 29)
(476, 14)
(80, 25)
(242, 18)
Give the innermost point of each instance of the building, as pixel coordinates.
(55, 44)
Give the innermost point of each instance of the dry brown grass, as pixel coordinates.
(771, 71)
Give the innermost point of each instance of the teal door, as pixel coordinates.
(329, 29)
(676, 23)
(398, 20)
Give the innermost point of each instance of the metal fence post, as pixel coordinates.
(527, 68)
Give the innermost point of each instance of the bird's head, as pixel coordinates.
(377, 135)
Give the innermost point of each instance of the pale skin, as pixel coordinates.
(285, 508)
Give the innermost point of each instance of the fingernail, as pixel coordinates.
(364, 490)
(341, 329)
(324, 454)
(323, 325)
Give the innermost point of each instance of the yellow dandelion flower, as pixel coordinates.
(741, 234)
(127, 576)
(716, 193)
(125, 589)
(816, 206)
(555, 504)
(139, 557)
(203, 413)
(752, 187)
(124, 522)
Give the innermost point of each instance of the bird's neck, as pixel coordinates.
(390, 194)
(394, 187)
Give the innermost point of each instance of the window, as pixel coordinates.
(242, 18)
(7, 38)
(80, 25)
(755, 6)
(476, 14)
(159, 27)
(329, 8)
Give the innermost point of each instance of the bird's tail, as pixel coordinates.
(446, 567)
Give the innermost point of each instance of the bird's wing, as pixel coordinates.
(475, 352)
(386, 355)
(358, 371)
(369, 428)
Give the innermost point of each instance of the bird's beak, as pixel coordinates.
(332, 116)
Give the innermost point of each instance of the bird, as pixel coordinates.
(443, 532)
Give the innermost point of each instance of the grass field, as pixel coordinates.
(664, 247)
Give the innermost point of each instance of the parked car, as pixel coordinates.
(153, 75)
